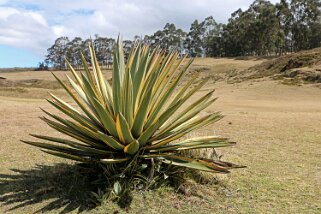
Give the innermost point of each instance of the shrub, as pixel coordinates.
(42, 67)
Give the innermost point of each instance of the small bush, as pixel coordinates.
(42, 67)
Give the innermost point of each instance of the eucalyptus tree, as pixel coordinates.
(194, 39)
(266, 26)
(169, 38)
(212, 32)
(73, 51)
(285, 17)
(306, 20)
(57, 52)
(104, 49)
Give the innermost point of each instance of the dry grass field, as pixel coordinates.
(277, 127)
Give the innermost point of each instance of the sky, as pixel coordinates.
(29, 27)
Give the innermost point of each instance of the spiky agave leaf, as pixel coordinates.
(136, 115)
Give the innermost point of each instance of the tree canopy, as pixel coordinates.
(263, 29)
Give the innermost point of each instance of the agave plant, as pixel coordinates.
(136, 116)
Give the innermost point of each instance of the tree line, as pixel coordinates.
(264, 29)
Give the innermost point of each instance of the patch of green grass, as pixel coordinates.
(291, 81)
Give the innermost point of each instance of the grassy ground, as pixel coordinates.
(277, 128)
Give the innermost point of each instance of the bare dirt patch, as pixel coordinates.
(30, 83)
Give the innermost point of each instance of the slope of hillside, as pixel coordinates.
(303, 66)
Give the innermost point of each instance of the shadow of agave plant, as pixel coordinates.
(79, 187)
(63, 185)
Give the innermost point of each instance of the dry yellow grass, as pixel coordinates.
(277, 128)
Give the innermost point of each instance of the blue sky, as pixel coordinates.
(29, 27)
(17, 57)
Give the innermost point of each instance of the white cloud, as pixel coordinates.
(5, 12)
(34, 24)
(24, 29)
